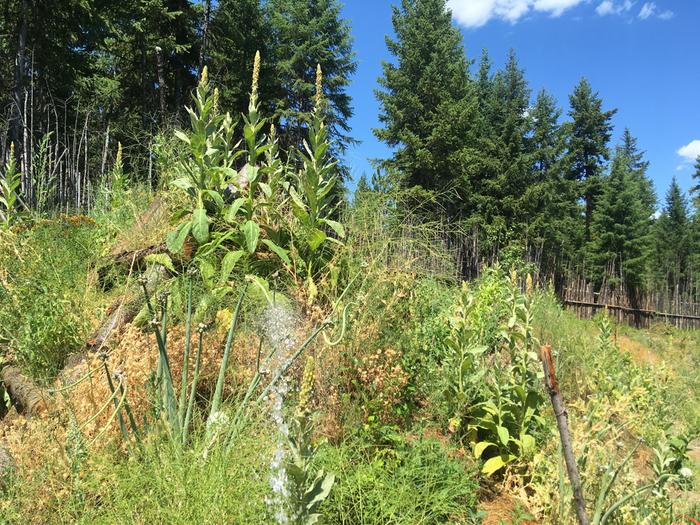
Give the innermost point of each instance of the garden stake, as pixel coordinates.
(550, 380)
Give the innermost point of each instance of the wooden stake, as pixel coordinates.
(550, 380)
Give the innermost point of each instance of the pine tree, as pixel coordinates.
(587, 145)
(620, 245)
(672, 239)
(305, 33)
(427, 103)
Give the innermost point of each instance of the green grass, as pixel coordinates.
(414, 483)
(46, 300)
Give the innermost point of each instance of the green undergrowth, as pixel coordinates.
(49, 293)
(46, 298)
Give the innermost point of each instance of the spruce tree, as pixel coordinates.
(587, 145)
(673, 239)
(620, 244)
(305, 33)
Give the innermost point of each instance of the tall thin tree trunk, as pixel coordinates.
(162, 87)
(144, 87)
(20, 72)
(104, 154)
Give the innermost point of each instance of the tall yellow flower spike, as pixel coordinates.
(256, 75)
(319, 87)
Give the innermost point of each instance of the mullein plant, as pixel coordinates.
(311, 192)
(9, 190)
(308, 489)
(499, 416)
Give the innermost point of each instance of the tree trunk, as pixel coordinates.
(30, 398)
(162, 88)
(20, 73)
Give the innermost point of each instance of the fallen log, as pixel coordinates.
(29, 398)
(119, 313)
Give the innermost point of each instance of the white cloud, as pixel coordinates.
(647, 10)
(608, 7)
(555, 7)
(605, 8)
(690, 151)
(476, 13)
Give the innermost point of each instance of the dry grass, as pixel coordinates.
(639, 353)
(503, 509)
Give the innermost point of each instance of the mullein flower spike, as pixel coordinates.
(307, 385)
(319, 87)
(256, 78)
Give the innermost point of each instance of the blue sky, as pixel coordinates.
(642, 57)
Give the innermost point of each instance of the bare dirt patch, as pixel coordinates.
(505, 509)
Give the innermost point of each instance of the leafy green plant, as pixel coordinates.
(311, 197)
(9, 189)
(45, 299)
(499, 416)
(43, 174)
(245, 207)
(203, 172)
(308, 490)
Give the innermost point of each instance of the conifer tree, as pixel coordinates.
(305, 33)
(512, 100)
(620, 244)
(672, 239)
(638, 167)
(695, 189)
(552, 210)
(427, 102)
(587, 145)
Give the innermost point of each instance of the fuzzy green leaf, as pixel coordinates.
(251, 232)
(315, 239)
(277, 250)
(175, 240)
(200, 225)
(161, 258)
(228, 264)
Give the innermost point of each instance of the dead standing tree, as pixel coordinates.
(560, 413)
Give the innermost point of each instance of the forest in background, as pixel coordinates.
(519, 177)
(198, 324)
